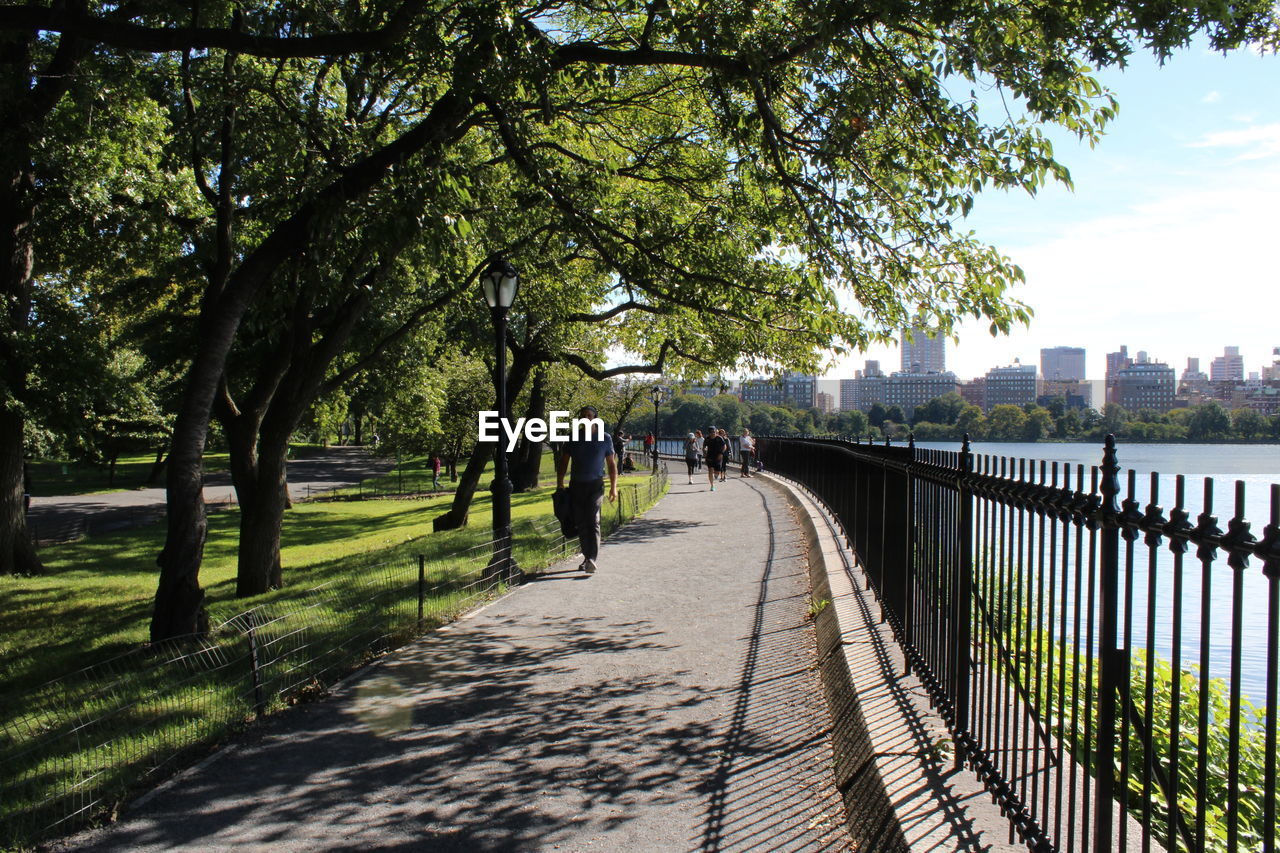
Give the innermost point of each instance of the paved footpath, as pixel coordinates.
(667, 703)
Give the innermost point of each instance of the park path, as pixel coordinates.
(667, 703)
(56, 519)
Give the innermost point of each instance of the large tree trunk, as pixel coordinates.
(17, 554)
(259, 568)
(179, 603)
(457, 515)
(17, 212)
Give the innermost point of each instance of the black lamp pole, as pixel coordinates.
(499, 284)
(658, 395)
(655, 432)
(501, 477)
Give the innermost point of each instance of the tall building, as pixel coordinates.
(864, 390)
(1193, 380)
(1228, 367)
(1116, 362)
(922, 353)
(909, 389)
(766, 391)
(1015, 385)
(872, 390)
(1272, 373)
(800, 390)
(973, 391)
(1078, 394)
(792, 389)
(826, 403)
(1064, 364)
(1146, 385)
(849, 394)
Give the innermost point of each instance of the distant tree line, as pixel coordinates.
(950, 418)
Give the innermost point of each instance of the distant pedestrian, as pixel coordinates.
(700, 440)
(691, 455)
(715, 448)
(728, 453)
(590, 458)
(435, 472)
(747, 450)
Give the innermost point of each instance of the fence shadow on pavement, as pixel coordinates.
(775, 754)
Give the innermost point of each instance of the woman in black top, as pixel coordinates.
(715, 449)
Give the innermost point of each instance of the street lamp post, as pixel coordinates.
(658, 394)
(498, 284)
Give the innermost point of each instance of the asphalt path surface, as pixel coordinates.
(668, 702)
(54, 519)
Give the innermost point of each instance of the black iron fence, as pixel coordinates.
(1107, 667)
(73, 749)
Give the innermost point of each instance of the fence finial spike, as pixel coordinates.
(911, 441)
(1110, 485)
(964, 445)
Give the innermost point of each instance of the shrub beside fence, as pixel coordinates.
(72, 750)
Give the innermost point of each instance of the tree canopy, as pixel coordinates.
(695, 186)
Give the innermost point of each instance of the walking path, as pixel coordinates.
(56, 519)
(667, 703)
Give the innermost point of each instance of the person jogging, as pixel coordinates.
(590, 459)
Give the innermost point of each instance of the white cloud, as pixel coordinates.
(1259, 141)
(1183, 270)
(1211, 98)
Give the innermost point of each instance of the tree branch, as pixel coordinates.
(668, 347)
(615, 311)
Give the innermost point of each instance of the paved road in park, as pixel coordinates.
(667, 703)
(61, 518)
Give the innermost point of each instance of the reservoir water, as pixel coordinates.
(1257, 466)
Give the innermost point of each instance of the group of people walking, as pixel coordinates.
(715, 448)
(582, 467)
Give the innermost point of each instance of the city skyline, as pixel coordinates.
(1163, 246)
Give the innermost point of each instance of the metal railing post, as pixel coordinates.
(1113, 668)
(962, 612)
(255, 673)
(422, 587)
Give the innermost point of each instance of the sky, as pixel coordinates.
(1170, 241)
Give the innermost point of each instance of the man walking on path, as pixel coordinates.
(435, 472)
(590, 458)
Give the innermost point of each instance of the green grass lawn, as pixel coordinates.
(97, 597)
(351, 573)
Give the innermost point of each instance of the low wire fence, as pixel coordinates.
(1093, 654)
(74, 749)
